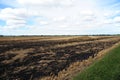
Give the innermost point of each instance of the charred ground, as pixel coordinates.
(33, 58)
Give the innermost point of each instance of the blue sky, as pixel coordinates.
(59, 17)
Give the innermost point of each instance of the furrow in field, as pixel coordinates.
(24, 45)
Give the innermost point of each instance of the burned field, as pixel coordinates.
(34, 58)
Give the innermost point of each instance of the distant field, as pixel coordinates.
(48, 57)
(108, 68)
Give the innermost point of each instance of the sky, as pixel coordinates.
(59, 17)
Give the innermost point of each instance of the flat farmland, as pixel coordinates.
(46, 57)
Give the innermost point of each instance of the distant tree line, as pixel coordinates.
(58, 35)
(1, 35)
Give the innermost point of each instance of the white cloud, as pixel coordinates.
(117, 19)
(43, 22)
(46, 2)
(59, 18)
(15, 22)
(17, 13)
(14, 17)
(108, 21)
(53, 16)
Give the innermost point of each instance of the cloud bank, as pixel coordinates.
(60, 17)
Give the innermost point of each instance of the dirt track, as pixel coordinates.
(24, 60)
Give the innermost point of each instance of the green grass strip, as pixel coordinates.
(108, 68)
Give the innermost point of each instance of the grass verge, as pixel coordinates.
(108, 68)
